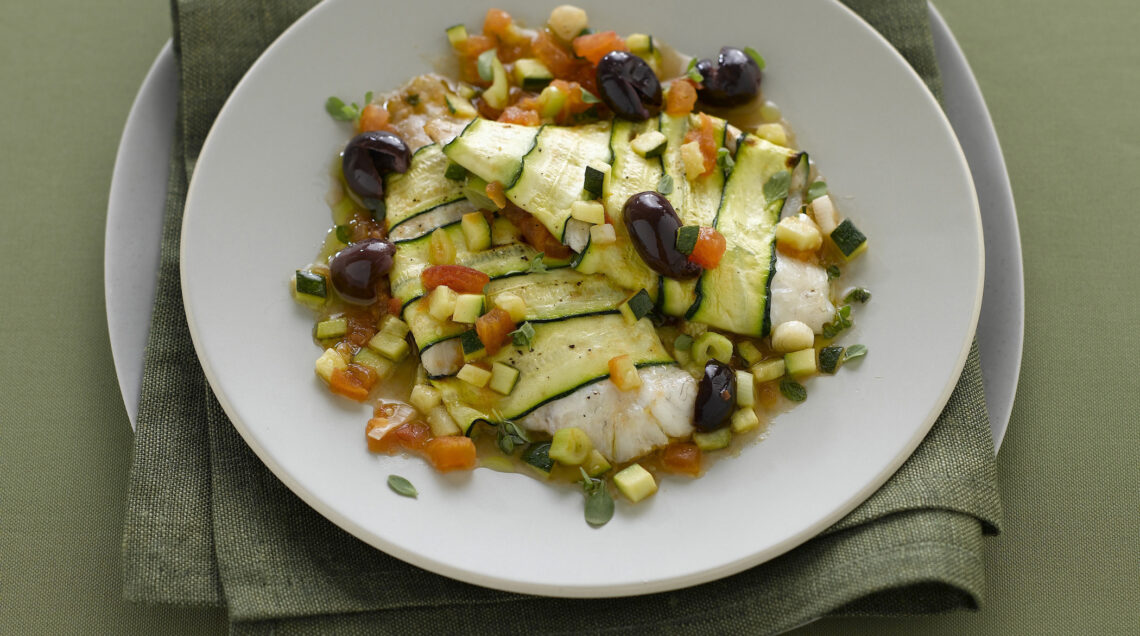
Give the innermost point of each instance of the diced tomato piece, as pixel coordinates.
(409, 436)
(379, 437)
(373, 117)
(469, 54)
(709, 248)
(517, 115)
(451, 453)
(705, 135)
(680, 98)
(459, 278)
(557, 59)
(394, 306)
(494, 329)
(497, 193)
(535, 233)
(361, 327)
(683, 458)
(353, 382)
(594, 46)
(496, 23)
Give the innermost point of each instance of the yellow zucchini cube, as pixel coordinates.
(635, 483)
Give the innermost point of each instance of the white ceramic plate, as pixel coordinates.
(255, 211)
(138, 192)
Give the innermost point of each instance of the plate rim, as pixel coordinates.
(585, 590)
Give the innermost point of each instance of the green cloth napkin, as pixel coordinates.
(208, 524)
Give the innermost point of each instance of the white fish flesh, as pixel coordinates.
(624, 425)
(801, 291)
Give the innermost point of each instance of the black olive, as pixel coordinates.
(716, 397)
(628, 86)
(357, 268)
(652, 224)
(733, 81)
(367, 158)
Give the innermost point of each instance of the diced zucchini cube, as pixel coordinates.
(503, 378)
(635, 482)
(503, 232)
(473, 347)
(393, 326)
(591, 212)
(687, 238)
(596, 464)
(513, 305)
(311, 284)
(441, 422)
(775, 133)
(441, 302)
(713, 440)
(468, 308)
(551, 100)
(801, 363)
(475, 376)
(425, 397)
(850, 241)
(712, 345)
(595, 180)
(476, 231)
(749, 352)
(830, 358)
(531, 74)
(639, 43)
(537, 456)
(567, 21)
(744, 420)
(334, 328)
(389, 346)
(454, 171)
(745, 388)
(799, 232)
(330, 361)
(381, 366)
(624, 373)
(636, 307)
(498, 93)
(693, 159)
(570, 446)
(457, 35)
(768, 370)
(650, 144)
(603, 234)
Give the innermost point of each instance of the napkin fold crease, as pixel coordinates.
(208, 524)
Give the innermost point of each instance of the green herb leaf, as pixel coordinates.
(793, 390)
(484, 64)
(665, 184)
(755, 55)
(412, 100)
(599, 503)
(816, 190)
(833, 272)
(776, 188)
(523, 336)
(725, 162)
(368, 98)
(536, 265)
(343, 234)
(692, 73)
(402, 486)
(684, 342)
(340, 111)
(589, 98)
(510, 436)
(859, 294)
(830, 331)
(854, 351)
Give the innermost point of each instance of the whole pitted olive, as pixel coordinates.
(367, 158)
(628, 86)
(357, 268)
(733, 81)
(652, 224)
(716, 397)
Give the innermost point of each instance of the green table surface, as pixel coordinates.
(1062, 80)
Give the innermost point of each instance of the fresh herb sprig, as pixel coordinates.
(599, 503)
(402, 486)
(510, 436)
(340, 111)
